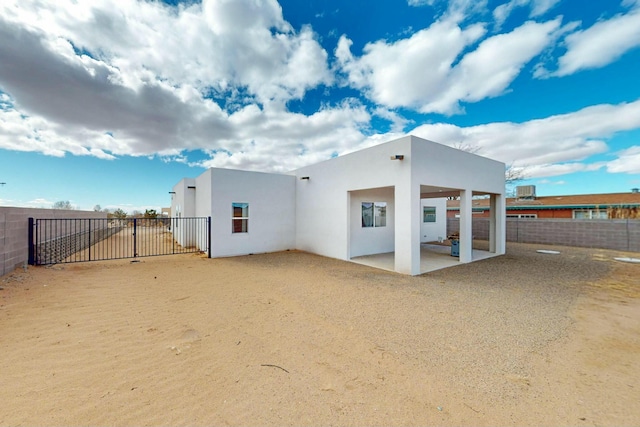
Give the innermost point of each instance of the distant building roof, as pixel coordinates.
(576, 201)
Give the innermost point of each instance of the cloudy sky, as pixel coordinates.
(112, 102)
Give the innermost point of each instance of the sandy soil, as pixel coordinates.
(151, 240)
(297, 339)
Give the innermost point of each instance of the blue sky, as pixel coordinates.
(113, 102)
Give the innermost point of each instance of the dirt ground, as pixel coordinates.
(296, 339)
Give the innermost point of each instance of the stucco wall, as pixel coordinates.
(183, 205)
(14, 232)
(323, 223)
(372, 240)
(325, 220)
(317, 208)
(272, 212)
(448, 167)
(432, 231)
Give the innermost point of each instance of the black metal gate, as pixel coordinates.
(53, 241)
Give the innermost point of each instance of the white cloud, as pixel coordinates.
(601, 44)
(39, 203)
(538, 8)
(550, 182)
(550, 146)
(418, 3)
(421, 71)
(294, 139)
(628, 161)
(143, 78)
(398, 123)
(210, 46)
(550, 169)
(458, 8)
(88, 78)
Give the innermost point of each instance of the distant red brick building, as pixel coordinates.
(579, 206)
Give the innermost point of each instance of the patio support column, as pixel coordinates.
(497, 224)
(407, 229)
(492, 223)
(466, 233)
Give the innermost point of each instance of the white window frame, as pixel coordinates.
(591, 213)
(431, 215)
(244, 218)
(378, 214)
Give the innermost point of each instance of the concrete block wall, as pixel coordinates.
(14, 232)
(617, 234)
(59, 248)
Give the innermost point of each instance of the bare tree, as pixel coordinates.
(62, 204)
(512, 174)
(466, 147)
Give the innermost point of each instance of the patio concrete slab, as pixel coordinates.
(432, 257)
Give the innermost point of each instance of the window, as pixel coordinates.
(429, 214)
(240, 219)
(590, 214)
(522, 216)
(374, 214)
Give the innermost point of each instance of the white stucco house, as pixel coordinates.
(388, 199)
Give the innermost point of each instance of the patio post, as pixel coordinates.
(466, 229)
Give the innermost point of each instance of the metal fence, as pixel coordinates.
(53, 241)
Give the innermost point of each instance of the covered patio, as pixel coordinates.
(432, 257)
(375, 243)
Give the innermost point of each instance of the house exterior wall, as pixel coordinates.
(317, 208)
(324, 220)
(432, 231)
(203, 193)
(437, 165)
(272, 211)
(372, 240)
(448, 167)
(183, 205)
(543, 213)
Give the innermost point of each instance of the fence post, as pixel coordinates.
(209, 237)
(135, 251)
(89, 239)
(32, 247)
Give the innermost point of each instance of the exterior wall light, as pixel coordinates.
(397, 157)
(304, 177)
